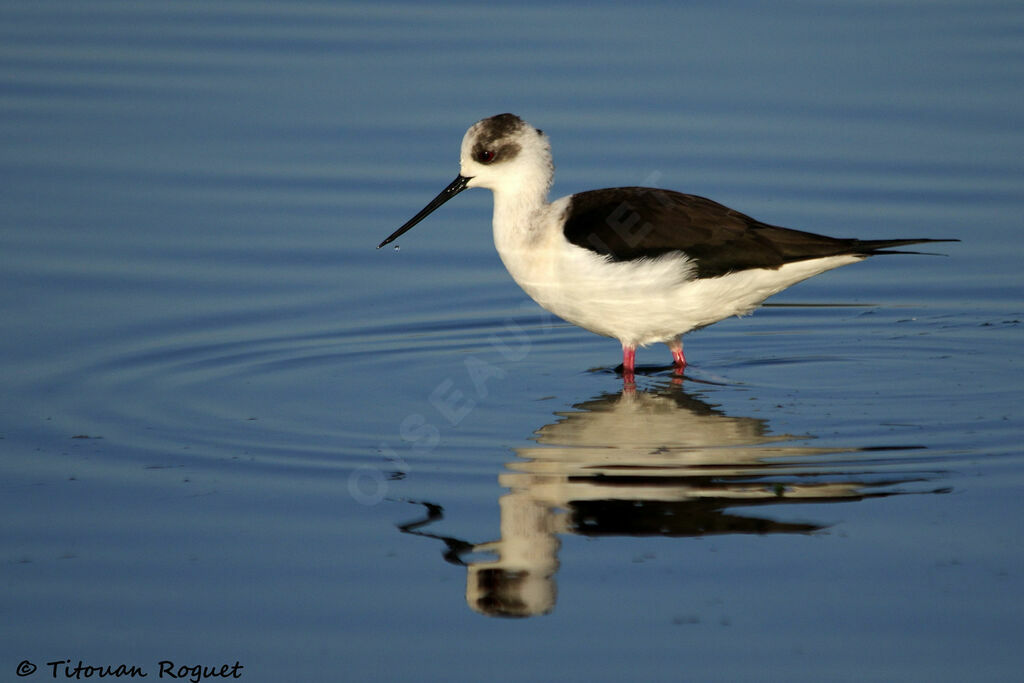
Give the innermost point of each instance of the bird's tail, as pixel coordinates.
(874, 247)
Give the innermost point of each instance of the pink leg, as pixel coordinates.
(628, 363)
(676, 346)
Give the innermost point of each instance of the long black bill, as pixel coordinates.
(456, 186)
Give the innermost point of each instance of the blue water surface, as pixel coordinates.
(234, 432)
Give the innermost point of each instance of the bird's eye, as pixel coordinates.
(485, 156)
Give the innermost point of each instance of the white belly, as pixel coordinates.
(646, 301)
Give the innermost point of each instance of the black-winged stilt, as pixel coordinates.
(638, 264)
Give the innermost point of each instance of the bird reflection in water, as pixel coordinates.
(646, 463)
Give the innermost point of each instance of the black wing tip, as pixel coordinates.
(888, 252)
(899, 242)
(879, 247)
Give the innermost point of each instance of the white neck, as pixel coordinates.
(517, 201)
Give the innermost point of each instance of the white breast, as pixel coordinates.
(637, 302)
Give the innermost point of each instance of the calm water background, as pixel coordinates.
(233, 431)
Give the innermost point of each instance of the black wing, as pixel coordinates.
(627, 223)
